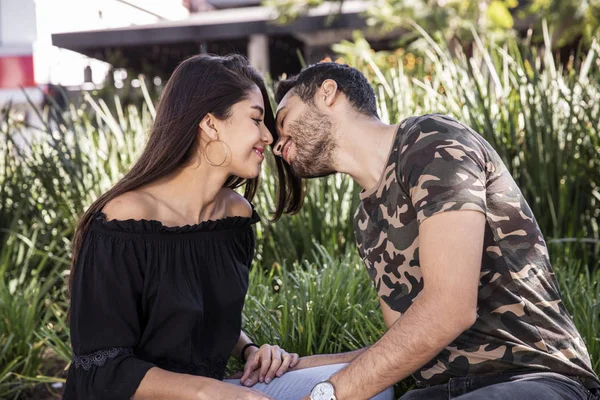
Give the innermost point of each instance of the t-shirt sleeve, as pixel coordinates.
(442, 167)
(106, 319)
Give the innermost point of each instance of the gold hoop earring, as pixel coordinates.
(225, 148)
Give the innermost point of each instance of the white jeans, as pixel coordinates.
(296, 384)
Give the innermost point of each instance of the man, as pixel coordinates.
(468, 294)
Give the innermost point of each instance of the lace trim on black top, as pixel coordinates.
(212, 367)
(99, 357)
(154, 226)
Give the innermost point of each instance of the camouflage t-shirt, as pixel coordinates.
(437, 164)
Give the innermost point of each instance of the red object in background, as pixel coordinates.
(16, 71)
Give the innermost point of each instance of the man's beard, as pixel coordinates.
(312, 134)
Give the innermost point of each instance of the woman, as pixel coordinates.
(160, 261)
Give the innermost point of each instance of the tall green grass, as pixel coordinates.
(25, 297)
(325, 219)
(580, 290)
(328, 306)
(50, 171)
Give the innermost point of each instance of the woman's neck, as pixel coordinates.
(192, 192)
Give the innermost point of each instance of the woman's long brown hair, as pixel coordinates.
(200, 85)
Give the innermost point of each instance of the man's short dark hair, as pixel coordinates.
(349, 80)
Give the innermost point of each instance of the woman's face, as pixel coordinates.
(246, 135)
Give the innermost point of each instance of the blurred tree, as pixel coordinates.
(570, 20)
(289, 10)
(450, 18)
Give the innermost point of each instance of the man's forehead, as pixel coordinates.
(286, 102)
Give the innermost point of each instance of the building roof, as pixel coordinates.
(207, 26)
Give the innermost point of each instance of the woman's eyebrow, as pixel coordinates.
(259, 108)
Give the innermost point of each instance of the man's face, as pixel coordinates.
(306, 140)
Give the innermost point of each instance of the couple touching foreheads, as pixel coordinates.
(160, 261)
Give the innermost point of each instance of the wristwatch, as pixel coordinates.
(323, 391)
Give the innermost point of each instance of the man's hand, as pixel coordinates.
(266, 363)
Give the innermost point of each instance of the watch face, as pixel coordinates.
(323, 391)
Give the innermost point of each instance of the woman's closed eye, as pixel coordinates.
(257, 120)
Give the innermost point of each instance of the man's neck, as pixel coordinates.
(363, 150)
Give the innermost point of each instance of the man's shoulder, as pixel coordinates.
(427, 133)
(433, 123)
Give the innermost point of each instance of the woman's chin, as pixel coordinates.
(249, 173)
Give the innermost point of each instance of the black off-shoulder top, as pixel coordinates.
(146, 295)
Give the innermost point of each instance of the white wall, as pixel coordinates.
(64, 67)
(17, 22)
(17, 35)
(26, 27)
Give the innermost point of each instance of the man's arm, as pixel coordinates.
(450, 249)
(327, 359)
(389, 316)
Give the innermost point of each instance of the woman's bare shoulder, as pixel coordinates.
(135, 205)
(236, 205)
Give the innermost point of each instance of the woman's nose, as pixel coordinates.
(267, 136)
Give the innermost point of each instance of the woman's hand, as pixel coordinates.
(266, 363)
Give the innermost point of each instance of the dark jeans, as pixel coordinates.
(513, 386)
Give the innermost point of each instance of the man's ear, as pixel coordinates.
(329, 92)
(208, 126)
